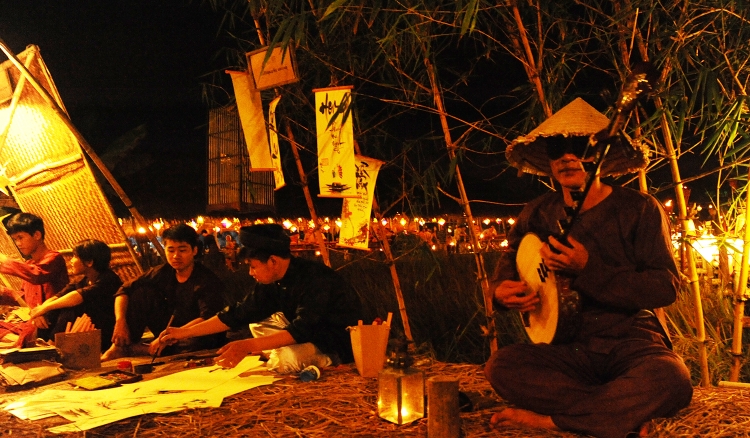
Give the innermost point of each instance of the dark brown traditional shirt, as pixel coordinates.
(630, 267)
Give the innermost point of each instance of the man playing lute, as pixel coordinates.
(618, 370)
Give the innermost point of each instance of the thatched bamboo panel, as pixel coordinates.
(49, 174)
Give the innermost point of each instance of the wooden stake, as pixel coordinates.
(443, 419)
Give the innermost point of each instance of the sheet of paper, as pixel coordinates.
(196, 388)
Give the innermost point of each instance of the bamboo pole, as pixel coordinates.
(533, 71)
(301, 170)
(383, 238)
(740, 295)
(478, 257)
(695, 287)
(14, 101)
(308, 197)
(700, 329)
(84, 145)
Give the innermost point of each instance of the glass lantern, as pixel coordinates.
(400, 388)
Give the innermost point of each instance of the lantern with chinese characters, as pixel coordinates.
(400, 387)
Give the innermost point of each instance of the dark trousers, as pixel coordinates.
(604, 395)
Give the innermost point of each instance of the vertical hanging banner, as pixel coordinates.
(250, 108)
(335, 142)
(273, 140)
(355, 213)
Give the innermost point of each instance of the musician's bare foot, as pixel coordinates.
(515, 417)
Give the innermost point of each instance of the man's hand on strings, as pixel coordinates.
(515, 295)
(570, 258)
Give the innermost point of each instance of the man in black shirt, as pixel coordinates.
(180, 291)
(306, 305)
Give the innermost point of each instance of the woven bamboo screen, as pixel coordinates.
(48, 172)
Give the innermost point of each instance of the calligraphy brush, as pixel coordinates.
(169, 324)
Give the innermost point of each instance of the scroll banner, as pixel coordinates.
(273, 140)
(335, 142)
(250, 108)
(355, 213)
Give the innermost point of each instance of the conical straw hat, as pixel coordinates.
(528, 152)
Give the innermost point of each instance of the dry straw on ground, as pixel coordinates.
(343, 404)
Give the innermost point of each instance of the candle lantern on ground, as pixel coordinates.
(400, 387)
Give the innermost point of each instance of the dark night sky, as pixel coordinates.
(122, 64)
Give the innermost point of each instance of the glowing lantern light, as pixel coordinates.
(226, 223)
(200, 219)
(486, 221)
(141, 230)
(441, 222)
(400, 387)
(287, 224)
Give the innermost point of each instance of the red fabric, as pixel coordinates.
(41, 280)
(24, 330)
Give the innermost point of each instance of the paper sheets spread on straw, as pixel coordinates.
(196, 388)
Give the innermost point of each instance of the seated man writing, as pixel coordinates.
(93, 295)
(43, 273)
(180, 291)
(300, 309)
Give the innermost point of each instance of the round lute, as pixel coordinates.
(555, 319)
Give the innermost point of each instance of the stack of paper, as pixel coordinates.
(203, 387)
(29, 372)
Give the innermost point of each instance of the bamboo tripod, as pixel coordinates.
(53, 104)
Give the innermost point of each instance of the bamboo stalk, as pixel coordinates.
(308, 197)
(700, 334)
(689, 257)
(301, 170)
(740, 296)
(527, 59)
(383, 238)
(14, 102)
(487, 294)
(84, 145)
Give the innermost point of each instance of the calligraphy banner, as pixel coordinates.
(355, 213)
(335, 142)
(253, 124)
(273, 141)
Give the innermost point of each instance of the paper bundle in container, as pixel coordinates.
(369, 344)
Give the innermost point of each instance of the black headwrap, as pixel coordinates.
(270, 238)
